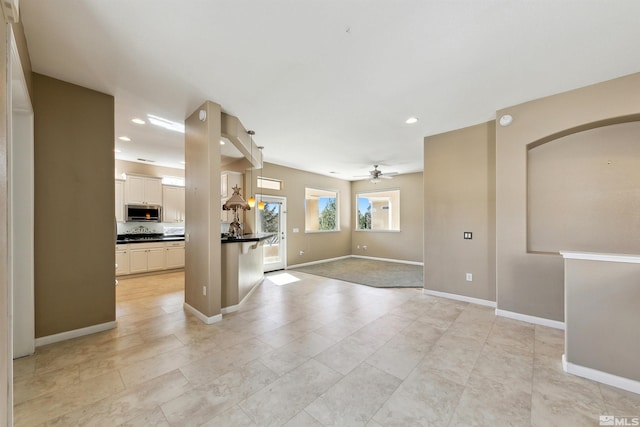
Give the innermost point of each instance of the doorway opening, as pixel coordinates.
(272, 219)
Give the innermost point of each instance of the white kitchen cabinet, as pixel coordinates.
(228, 180)
(143, 190)
(119, 200)
(156, 259)
(174, 254)
(122, 260)
(172, 204)
(145, 257)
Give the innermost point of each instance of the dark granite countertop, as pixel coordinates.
(147, 238)
(255, 237)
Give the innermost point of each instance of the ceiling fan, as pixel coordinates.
(376, 175)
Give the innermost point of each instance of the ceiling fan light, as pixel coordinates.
(375, 180)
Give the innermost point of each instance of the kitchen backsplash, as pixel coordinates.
(148, 228)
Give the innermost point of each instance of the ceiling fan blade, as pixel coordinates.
(385, 176)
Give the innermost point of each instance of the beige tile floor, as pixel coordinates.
(317, 352)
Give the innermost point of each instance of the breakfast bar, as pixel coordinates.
(242, 268)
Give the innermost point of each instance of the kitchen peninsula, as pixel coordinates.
(242, 268)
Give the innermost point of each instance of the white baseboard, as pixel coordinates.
(232, 308)
(460, 298)
(601, 377)
(531, 319)
(322, 261)
(202, 317)
(399, 261)
(62, 336)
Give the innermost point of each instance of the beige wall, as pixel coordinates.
(316, 246)
(531, 283)
(405, 245)
(602, 316)
(74, 205)
(583, 191)
(459, 196)
(124, 166)
(202, 207)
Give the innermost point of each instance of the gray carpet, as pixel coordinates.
(380, 274)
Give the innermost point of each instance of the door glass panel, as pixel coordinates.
(270, 223)
(273, 220)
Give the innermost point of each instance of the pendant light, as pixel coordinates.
(261, 202)
(251, 201)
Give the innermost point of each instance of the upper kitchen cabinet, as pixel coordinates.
(172, 204)
(119, 200)
(143, 190)
(228, 180)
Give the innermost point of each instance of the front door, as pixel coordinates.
(273, 220)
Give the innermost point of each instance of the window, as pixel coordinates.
(378, 210)
(269, 183)
(321, 210)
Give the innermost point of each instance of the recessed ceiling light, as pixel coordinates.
(411, 120)
(165, 123)
(138, 121)
(222, 142)
(124, 138)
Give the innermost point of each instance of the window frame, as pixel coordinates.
(306, 214)
(394, 217)
(261, 179)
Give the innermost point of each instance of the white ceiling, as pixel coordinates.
(327, 85)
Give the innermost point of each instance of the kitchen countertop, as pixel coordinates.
(255, 237)
(147, 238)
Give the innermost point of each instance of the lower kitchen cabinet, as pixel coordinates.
(122, 260)
(138, 258)
(144, 257)
(174, 255)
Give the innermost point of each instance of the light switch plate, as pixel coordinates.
(468, 235)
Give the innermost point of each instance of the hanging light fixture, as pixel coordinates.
(261, 202)
(251, 201)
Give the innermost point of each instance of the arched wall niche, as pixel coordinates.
(583, 189)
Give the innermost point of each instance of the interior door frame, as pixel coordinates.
(283, 225)
(21, 206)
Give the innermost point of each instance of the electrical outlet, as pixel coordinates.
(469, 277)
(301, 253)
(204, 290)
(358, 247)
(364, 247)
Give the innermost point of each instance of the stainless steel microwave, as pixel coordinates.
(143, 213)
